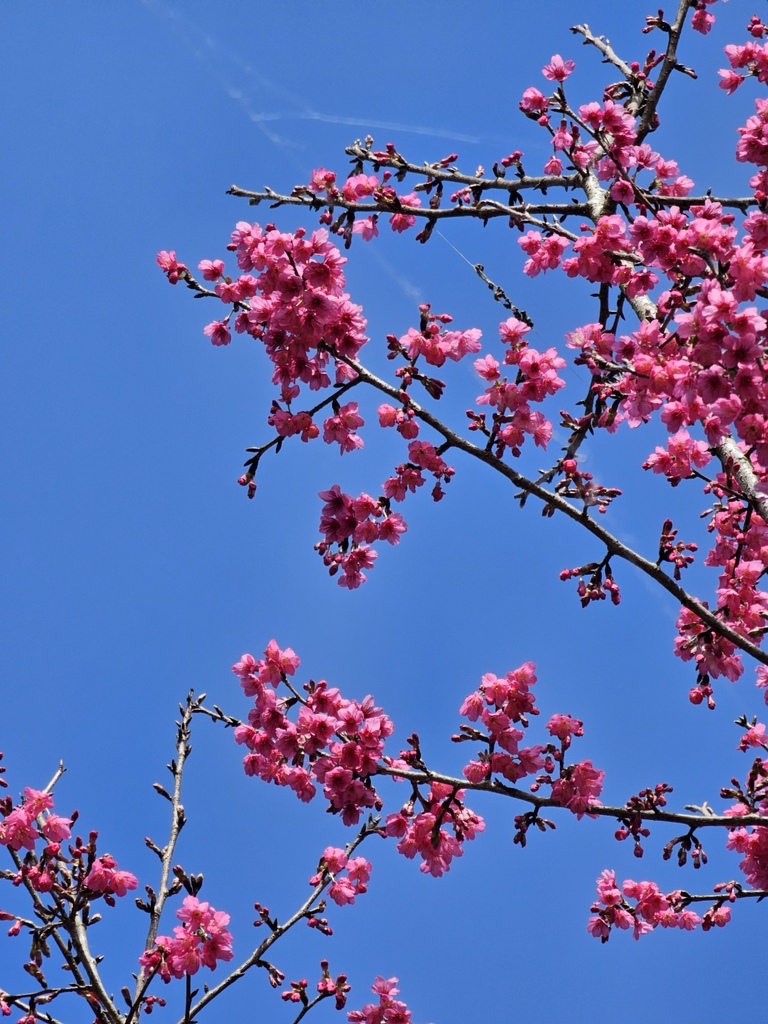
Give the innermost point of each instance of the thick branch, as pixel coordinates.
(423, 778)
(736, 462)
(77, 932)
(603, 45)
(483, 208)
(71, 957)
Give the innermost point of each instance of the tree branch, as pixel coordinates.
(176, 824)
(369, 829)
(693, 821)
(735, 461)
(614, 546)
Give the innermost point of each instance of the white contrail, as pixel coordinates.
(219, 62)
(207, 49)
(389, 126)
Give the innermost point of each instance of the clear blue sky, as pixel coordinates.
(134, 569)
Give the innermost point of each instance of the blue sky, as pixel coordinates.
(135, 570)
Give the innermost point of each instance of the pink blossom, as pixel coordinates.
(402, 221)
(392, 527)
(702, 21)
(342, 892)
(558, 69)
(36, 801)
(487, 367)
(173, 269)
(358, 186)
(578, 787)
(105, 877)
(340, 428)
(218, 332)
(599, 928)
(622, 191)
(321, 180)
(211, 269)
(754, 737)
(678, 460)
(18, 830)
(55, 828)
(545, 252)
(534, 102)
(730, 80)
(335, 859)
(563, 726)
(753, 843)
(717, 917)
(366, 227)
(201, 940)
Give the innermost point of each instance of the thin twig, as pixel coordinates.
(306, 908)
(167, 854)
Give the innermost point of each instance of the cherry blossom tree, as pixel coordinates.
(677, 339)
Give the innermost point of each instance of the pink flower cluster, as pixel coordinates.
(105, 877)
(499, 704)
(699, 361)
(681, 457)
(751, 842)
(201, 940)
(578, 787)
(436, 345)
(295, 303)
(713, 655)
(171, 267)
(327, 986)
(335, 742)
(536, 378)
(23, 826)
(341, 427)
(339, 744)
(343, 888)
(388, 1010)
(753, 845)
(30, 821)
(740, 550)
(751, 57)
(706, 370)
(609, 148)
(49, 869)
(437, 831)
(651, 908)
(359, 187)
(349, 526)
(742, 555)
